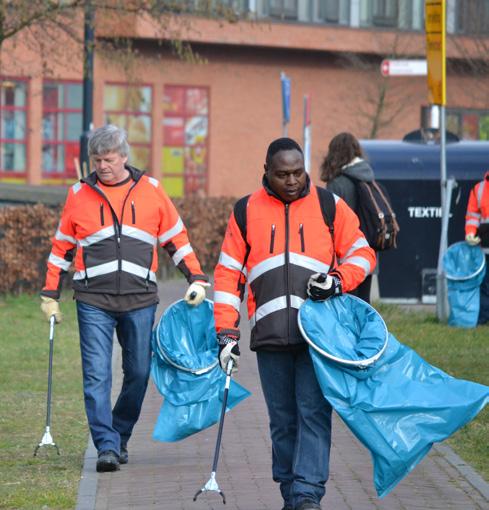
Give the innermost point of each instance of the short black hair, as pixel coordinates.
(281, 144)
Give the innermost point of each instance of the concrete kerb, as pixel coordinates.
(465, 470)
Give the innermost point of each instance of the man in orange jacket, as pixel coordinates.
(477, 232)
(279, 244)
(114, 220)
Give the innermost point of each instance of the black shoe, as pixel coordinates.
(288, 507)
(107, 461)
(308, 505)
(124, 455)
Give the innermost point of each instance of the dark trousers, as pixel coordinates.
(484, 297)
(300, 424)
(363, 290)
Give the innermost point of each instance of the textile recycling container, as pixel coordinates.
(411, 173)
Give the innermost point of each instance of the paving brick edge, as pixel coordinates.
(87, 488)
(464, 469)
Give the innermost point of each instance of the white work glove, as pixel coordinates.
(196, 293)
(472, 239)
(50, 307)
(322, 286)
(228, 349)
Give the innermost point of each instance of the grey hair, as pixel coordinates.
(108, 138)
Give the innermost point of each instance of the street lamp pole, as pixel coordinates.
(87, 119)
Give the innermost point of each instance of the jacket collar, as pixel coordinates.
(269, 190)
(91, 179)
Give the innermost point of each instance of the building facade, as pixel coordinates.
(202, 127)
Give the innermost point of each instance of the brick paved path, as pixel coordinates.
(167, 475)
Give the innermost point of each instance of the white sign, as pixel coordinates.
(403, 67)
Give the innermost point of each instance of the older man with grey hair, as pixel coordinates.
(111, 225)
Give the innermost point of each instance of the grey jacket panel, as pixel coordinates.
(344, 186)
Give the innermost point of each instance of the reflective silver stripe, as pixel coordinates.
(112, 267)
(137, 233)
(153, 181)
(63, 237)
(336, 198)
(181, 252)
(266, 265)
(296, 301)
(76, 187)
(228, 262)
(106, 268)
(480, 192)
(361, 242)
(172, 232)
(59, 262)
(359, 262)
(135, 269)
(308, 262)
(226, 298)
(269, 307)
(473, 222)
(97, 236)
(485, 220)
(473, 214)
(274, 305)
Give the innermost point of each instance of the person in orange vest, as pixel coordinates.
(114, 220)
(285, 242)
(477, 232)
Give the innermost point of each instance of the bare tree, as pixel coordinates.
(379, 100)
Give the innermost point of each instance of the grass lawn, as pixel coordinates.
(47, 481)
(462, 353)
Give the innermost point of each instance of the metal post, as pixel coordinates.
(87, 121)
(441, 286)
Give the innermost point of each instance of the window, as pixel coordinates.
(61, 128)
(385, 13)
(283, 9)
(185, 140)
(472, 17)
(130, 107)
(13, 120)
(334, 11)
(468, 124)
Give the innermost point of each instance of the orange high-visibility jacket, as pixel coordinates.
(118, 255)
(478, 208)
(287, 244)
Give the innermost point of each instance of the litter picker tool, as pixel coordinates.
(47, 439)
(212, 485)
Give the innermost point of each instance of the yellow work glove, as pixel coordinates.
(196, 293)
(50, 307)
(472, 239)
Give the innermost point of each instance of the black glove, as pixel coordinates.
(322, 286)
(228, 349)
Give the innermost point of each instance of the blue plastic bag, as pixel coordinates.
(398, 405)
(465, 268)
(186, 372)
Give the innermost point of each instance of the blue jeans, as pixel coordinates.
(300, 424)
(112, 427)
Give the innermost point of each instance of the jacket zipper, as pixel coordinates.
(102, 219)
(301, 233)
(133, 210)
(287, 263)
(117, 232)
(272, 238)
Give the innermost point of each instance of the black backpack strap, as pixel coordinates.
(328, 209)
